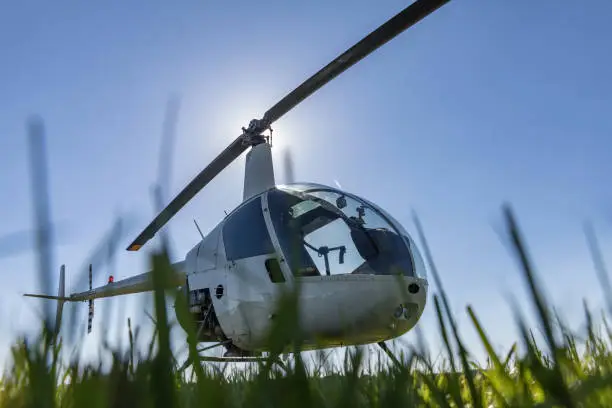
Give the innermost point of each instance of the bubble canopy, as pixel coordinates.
(325, 231)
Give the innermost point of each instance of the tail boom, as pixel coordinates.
(135, 284)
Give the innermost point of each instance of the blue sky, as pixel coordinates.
(481, 103)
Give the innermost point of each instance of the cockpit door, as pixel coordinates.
(252, 269)
(278, 267)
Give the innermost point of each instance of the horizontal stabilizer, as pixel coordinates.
(63, 298)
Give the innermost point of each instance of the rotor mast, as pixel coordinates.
(258, 168)
(258, 171)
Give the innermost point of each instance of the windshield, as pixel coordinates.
(327, 232)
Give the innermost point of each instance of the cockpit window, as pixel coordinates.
(297, 210)
(419, 265)
(289, 232)
(245, 234)
(333, 233)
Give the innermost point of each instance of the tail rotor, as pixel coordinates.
(91, 302)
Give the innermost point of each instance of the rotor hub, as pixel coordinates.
(252, 136)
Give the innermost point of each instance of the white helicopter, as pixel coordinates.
(346, 252)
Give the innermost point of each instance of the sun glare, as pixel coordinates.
(235, 113)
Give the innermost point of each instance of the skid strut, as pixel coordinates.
(229, 359)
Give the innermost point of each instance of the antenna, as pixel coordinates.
(198, 227)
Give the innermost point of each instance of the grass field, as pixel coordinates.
(570, 369)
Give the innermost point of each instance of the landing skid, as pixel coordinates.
(261, 359)
(229, 359)
(234, 359)
(212, 359)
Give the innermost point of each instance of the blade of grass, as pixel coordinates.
(462, 350)
(599, 264)
(558, 387)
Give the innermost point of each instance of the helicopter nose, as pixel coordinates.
(388, 307)
(391, 307)
(363, 309)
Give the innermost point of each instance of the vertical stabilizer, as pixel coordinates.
(258, 171)
(61, 293)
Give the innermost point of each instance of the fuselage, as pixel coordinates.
(359, 277)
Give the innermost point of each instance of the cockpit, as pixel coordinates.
(323, 231)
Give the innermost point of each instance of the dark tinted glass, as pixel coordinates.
(245, 234)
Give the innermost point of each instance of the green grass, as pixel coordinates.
(571, 369)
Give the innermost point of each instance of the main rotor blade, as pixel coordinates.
(396, 25)
(235, 149)
(386, 32)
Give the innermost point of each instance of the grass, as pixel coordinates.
(570, 369)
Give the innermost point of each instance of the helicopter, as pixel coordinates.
(346, 253)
